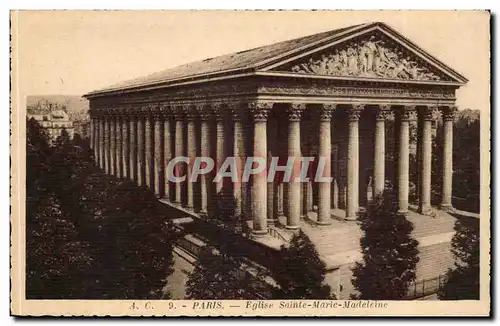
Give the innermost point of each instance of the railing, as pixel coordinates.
(275, 234)
(425, 287)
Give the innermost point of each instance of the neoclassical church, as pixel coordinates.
(325, 95)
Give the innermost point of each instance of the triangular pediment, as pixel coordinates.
(376, 53)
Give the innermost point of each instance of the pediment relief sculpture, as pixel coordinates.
(369, 57)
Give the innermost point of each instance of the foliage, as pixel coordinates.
(466, 163)
(463, 281)
(219, 275)
(90, 235)
(301, 273)
(390, 254)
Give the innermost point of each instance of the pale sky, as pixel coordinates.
(74, 52)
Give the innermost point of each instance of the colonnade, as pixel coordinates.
(138, 143)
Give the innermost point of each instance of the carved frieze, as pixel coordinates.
(361, 91)
(370, 56)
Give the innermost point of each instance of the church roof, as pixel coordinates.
(243, 61)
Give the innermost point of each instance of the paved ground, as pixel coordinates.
(176, 282)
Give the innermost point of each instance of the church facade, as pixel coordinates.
(325, 95)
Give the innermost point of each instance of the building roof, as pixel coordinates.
(249, 60)
(233, 61)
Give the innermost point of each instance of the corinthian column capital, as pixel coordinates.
(191, 112)
(429, 113)
(449, 112)
(166, 110)
(295, 111)
(236, 112)
(326, 111)
(383, 112)
(260, 110)
(408, 113)
(354, 112)
(220, 111)
(178, 112)
(205, 111)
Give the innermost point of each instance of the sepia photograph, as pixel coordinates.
(250, 163)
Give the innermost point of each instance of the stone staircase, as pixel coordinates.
(344, 236)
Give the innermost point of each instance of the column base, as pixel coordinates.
(403, 211)
(323, 223)
(292, 227)
(425, 210)
(203, 213)
(258, 233)
(447, 208)
(271, 222)
(351, 218)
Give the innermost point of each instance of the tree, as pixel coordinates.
(90, 235)
(301, 273)
(56, 258)
(219, 276)
(133, 242)
(390, 254)
(462, 282)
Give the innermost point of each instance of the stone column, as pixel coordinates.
(102, 124)
(133, 145)
(281, 209)
(259, 113)
(405, 115)
(141, 179)
(294, 114)
(96, 140)
(427, 114)
(191, 115)
(239, 156)
(158, 152)
(112, 144)
(379, 153)
(335, 184)
(92, 129)
(167, 149)
(107, 123)
(325, 152)
(179, 151)
(220, 146)
(353, 163)
(125, 145)
(118, 144)
(448, 118)
(148, 141)
(204, 111)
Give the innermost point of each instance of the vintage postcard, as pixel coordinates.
(250, 163)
